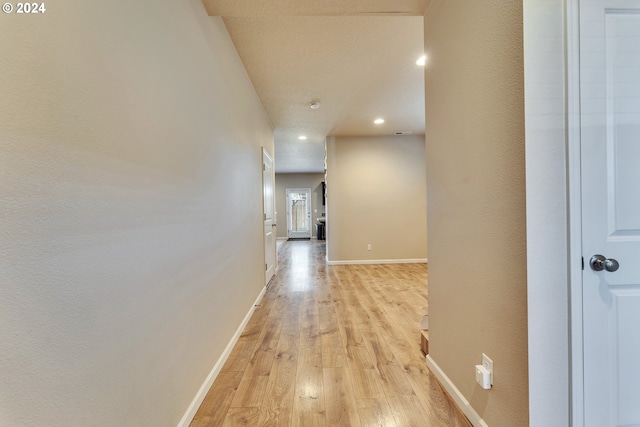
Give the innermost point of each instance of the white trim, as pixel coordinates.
(379, 261)
(269, 204)
(282, 238)
(576, 373)
(204, 389)
(455, 394)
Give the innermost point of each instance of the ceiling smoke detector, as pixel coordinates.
(314, 105)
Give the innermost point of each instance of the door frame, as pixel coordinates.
(553, 141)
(576, 372)
(288, 210)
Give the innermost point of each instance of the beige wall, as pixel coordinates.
(131, 199)
(298, 180)
(476, 187)
(376, 189)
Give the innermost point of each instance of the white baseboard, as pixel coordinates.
(379, 261)
(204, 389)
(455, 394)
(281, 238)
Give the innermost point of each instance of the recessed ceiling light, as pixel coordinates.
(303, 137)
(378, 121)
(314, 105)
(422, 60)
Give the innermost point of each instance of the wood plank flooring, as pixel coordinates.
(332, 346)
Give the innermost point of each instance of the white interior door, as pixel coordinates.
(610, 147)
(299, 213)
(269, 221)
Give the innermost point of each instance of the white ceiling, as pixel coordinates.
(357, 58)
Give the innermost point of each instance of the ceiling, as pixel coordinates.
(357, 58)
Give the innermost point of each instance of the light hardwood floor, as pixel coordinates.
(332, 346)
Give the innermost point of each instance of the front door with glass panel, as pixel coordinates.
(298, 213)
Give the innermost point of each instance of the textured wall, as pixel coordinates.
(376, 189)
(476, 187)
(544, 59)
(298, 180)
(131, 200)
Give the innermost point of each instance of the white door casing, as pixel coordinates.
(610, 175)
(299, 217)
(268, 204)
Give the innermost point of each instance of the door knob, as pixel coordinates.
(599, 263)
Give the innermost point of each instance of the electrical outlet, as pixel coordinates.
(369, 247)
(488, 364)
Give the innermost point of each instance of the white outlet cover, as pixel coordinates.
(488, 364)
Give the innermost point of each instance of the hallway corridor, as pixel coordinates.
(331, 346)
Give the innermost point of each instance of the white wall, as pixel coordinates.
(547, 272)
(130, 232)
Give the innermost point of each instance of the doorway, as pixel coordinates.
(299, 213)
(268, 202)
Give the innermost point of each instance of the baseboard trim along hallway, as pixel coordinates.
(455, 394)
(204, 389)
(379, 261)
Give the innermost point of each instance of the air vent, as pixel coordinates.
(404, 133)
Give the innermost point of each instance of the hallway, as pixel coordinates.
(331, 346)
